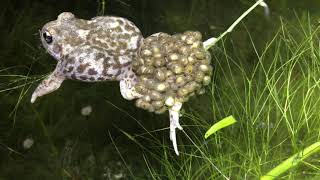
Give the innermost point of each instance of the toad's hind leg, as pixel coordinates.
(174, 113)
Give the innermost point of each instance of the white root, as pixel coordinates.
(208, 43)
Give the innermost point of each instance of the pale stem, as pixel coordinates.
(212, 41)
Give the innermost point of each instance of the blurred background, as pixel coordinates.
(52, 139)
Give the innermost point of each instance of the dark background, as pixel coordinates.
(66, 141)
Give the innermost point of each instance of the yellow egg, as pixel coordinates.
(160, 75)
(169, 101)
(146, 52)
(161, 87)
(206, 80)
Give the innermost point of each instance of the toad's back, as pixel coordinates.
(92, 50)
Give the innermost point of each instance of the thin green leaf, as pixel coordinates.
(219, 125)
(292, 161)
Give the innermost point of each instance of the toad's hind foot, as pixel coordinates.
(174, 113)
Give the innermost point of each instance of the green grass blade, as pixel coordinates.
(219, 125)
(292, 161)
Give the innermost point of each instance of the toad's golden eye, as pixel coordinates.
(47, 37)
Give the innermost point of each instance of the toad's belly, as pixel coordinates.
(96, 67)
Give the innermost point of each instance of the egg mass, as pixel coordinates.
(171, 68)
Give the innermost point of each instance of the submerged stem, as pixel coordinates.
(212, 41)
(292, 161)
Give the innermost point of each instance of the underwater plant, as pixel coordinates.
(85, 131)
(161, 71)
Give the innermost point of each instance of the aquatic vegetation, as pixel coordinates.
(292, 161)
(276, 102)
(225, 122)
(272, 89)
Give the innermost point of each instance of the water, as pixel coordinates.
(68, 145)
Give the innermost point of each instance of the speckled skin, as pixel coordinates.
(99, 49)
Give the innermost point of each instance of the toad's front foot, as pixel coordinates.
(174, 123)
(128, 90)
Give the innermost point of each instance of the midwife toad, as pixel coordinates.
(112, 48)
(93, 50)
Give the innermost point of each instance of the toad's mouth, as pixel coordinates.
(55, 56)
(55, 50)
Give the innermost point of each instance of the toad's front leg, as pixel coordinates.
(48, 85)
(127, 86)
(128, 90)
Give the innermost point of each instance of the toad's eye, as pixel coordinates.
(47, 37)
